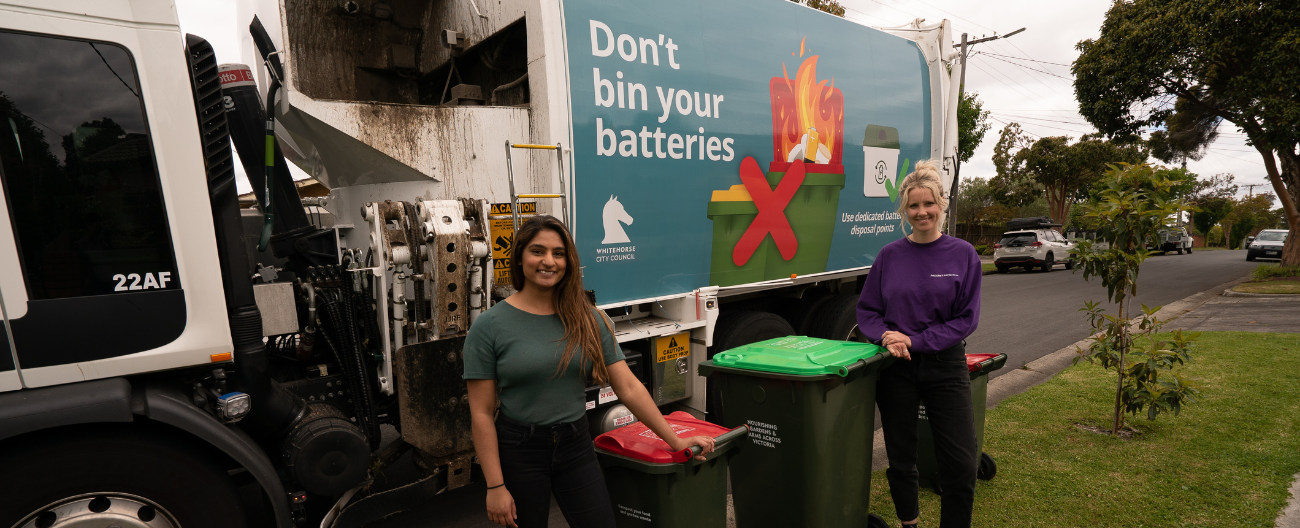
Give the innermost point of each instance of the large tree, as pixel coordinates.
(1066, 171)
(829, 6)
(972, 124)
(1233, 60)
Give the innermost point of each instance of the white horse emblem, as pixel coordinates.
(614, 216)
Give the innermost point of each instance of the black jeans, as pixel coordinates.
(537, 461)
(942, 382)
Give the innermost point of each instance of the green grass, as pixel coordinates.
(1226, 461)
(988, 268)
(1274, 286)
(1268, 271)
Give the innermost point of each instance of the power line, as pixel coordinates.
(1026, 59)
(995, 57)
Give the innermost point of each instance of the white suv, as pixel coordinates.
(1032, 248)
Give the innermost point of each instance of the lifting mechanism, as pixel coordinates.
(514, 196)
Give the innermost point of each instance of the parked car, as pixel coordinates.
(1267, 244)
(1032, 248)
(1173, 239)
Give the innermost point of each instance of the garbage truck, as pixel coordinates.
(172, 359)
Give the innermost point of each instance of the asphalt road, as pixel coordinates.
(1030, 315)
(1025, 315)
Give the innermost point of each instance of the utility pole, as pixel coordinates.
(1250, 188)
(961, 90)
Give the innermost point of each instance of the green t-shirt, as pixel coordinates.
(521, 351)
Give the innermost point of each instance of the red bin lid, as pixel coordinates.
(638, 442)
(973, 360)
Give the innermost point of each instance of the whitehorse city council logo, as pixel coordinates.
(614, 217)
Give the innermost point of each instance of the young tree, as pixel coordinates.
(1131, 208)
(1230, 59)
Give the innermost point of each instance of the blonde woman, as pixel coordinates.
(920, 301)
(540, 347)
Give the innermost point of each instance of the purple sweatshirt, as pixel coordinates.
(931, 292)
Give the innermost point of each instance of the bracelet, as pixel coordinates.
(496, 486)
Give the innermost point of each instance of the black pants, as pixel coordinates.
(537, 461)
(942, 382)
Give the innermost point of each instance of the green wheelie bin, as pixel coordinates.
(979, 365)
(652, 486)
(810, 407)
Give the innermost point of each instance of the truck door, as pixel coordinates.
(87, 266)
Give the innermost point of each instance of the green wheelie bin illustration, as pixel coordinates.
(810, 407)
(980, 365)
(651, 486)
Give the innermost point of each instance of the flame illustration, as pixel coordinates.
(806, 106)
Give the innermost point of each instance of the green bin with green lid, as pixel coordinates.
(652, 486)
(927, 464)
(810, 407)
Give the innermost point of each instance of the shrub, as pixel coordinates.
(982, 249)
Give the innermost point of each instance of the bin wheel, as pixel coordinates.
(837, 318)
(875, 521)
(988, 468)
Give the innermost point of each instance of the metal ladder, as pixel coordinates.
(510, 172)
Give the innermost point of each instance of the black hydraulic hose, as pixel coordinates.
(372, 418)
(269, 167)
(353, 367)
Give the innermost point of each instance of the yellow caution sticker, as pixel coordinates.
(525, 208)
(669, 348)
(503, 237)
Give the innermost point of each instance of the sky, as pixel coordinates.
(1023, 79)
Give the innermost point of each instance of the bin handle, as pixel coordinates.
(693, 451)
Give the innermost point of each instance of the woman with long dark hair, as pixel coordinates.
(539, 348)
(920, 301)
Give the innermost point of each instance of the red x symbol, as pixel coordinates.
(771, 211)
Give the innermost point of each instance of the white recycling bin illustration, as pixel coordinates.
(880, 148)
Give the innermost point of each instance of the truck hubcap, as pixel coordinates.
(100, 510)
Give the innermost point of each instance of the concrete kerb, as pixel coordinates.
(1042, 369)
(1289, 517)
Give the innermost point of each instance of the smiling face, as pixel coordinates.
(922, 210)
(544, 261)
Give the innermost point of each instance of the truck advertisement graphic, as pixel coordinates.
(728, 142)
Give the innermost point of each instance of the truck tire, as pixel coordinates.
(139, 476)
(801, 313)
(837, 319)
(736, 329)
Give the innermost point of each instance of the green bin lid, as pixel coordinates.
(880, 136)
(796, 355)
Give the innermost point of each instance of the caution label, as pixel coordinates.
(503, 238)
(669, 348)
(525, 208)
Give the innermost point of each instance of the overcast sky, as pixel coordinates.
(1024, 79)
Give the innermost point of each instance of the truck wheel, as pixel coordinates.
(736, 329)
(121, 475)
(1189, 250)
(837, 319)
(801, 313)
(1180, 250)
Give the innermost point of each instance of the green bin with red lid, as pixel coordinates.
(810, 407)
(979, 365)
(653, 486)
